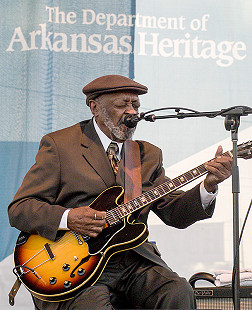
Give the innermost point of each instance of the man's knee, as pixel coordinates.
(175, 294)
(179, 295)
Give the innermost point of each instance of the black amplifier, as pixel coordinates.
(220, 298)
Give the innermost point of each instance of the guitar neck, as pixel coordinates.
(115, 215)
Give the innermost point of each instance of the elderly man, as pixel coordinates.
(72, 169)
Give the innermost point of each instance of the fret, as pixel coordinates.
(116, 214)
(159, 192)
(108, 220)
(150, 196)
(156, 193)
(108, 216)
(195, 172)
(111, 217)
(139, 201)
(130, 207)
(166, 187)
(171, 184)
(124, 210)
(162, 191)
(146, 198)
(189, 176)
(143, 199)
(127, 207)
(177, 182)
(202, 168)
(183, 178)
(135, 204)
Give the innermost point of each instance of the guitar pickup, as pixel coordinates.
(49, 251)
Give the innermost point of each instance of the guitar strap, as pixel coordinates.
(132, 170)
(13, 291)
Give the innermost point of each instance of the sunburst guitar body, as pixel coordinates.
(57, 270)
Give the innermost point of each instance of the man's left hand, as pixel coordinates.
(219, 169)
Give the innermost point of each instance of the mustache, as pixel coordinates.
(121, 121)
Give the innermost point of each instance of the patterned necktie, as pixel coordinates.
(111, 152)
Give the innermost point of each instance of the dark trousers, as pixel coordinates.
(144, 284)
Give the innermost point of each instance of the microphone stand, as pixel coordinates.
(232, 121)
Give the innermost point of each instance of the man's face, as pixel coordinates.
(110, 110)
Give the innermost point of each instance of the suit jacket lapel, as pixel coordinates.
(95, 154)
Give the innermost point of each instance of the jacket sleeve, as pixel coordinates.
(178, 209)
(35, 199)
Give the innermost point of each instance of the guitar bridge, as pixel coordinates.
(49, 251)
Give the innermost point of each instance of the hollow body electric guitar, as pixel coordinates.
(56, 271)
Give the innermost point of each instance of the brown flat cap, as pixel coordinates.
(112, 83)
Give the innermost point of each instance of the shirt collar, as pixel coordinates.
(105, 140)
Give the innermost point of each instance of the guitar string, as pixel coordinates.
(35, 267)
(33, 256)
(176, 182)
(61, 243)
(155, 193)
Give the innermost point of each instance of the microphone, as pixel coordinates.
(131, 120)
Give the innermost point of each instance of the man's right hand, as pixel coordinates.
(86, 221)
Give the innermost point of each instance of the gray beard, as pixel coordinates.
(119, 131)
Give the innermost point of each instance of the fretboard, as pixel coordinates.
(115, 215)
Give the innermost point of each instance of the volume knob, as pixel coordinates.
(52, 280)
(67, 284)
(66, 267)
(81, 271)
